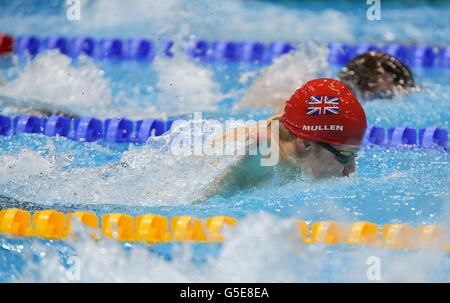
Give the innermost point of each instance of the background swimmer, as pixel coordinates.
(377, 75)
(320, 133)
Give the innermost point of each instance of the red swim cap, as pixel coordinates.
(325, 110)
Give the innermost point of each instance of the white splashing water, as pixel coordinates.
(262, 248)
(20, 163)
(150, 176)
(51, 82)
(185, 86)
(275, 84)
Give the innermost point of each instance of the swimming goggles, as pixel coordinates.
(343, 156)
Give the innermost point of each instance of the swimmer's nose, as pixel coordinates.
(302, 146)
(348, 169)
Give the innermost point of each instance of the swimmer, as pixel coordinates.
(371, 75)
(377, 74)
(317, 135)
(320, 132)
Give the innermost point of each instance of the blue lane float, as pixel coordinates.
(120, 130)
(253, 51)
(27, 45)
(5, 126)
(82, 45)
(225, 50)
(444, 57)
(198, 49)
(375, 135)
(402, 136)
(433, 136)
(56, 126)
(27, 124)
(141, 49)
(111, 49)
(59, 43)
(422, 55)
(86, 129)
(220, 50)
(167, 47)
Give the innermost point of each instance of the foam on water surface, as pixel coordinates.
(149, 175)
(185, 86)
(272, 85)
(52, 82)
(382, 190)
(56, 84)
(262, 248)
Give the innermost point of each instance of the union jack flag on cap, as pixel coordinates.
(323, 105)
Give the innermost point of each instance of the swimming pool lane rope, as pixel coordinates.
(120, 130)
(224, 50)
(156, 229)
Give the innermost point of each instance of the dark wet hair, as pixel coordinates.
(376, 74)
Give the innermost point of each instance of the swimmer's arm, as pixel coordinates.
(252, 134)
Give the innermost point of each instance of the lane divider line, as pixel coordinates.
(155, 229)
(121, 130)
(87, 129)
(219, 50)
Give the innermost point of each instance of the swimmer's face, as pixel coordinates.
(316, 161)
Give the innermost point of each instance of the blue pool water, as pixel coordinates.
(408, 185)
